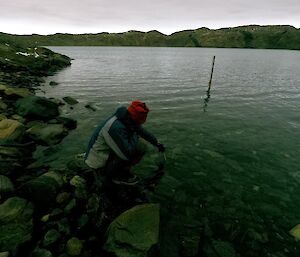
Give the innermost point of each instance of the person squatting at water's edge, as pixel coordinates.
(116, 144)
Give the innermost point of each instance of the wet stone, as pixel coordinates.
(70, 100)
(80, 187)
(4, 254)
(51, 237)
(83, 221)
(11, 129)
(47, 134)
(70, 206)
(41, 253)
(63, 197)
(53, 83)
(63, 226)
(129, 228)
(74, 246)
(15, 223)
(224, 249)
(6, 186)
(43, 189)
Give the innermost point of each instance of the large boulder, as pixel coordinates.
(36, 107)
(134, 232)
(11, 129)
(43, 189)
(15, 223)
(47, 134)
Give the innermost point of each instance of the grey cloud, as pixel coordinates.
(167, 16)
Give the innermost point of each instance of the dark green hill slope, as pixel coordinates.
(253, 36)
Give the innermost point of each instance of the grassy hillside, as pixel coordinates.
(23, 66)
(253, 36)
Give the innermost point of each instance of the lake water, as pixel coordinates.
(233, 166)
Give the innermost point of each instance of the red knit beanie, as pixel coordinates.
(138, 111)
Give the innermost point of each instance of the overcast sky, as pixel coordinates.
(93, 16)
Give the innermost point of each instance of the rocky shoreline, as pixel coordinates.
(46, 212)
(71, 211)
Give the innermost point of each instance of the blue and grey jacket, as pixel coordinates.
(114, 135)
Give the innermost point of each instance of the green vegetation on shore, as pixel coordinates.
(252, 36)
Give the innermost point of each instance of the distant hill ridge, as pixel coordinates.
(252, 36)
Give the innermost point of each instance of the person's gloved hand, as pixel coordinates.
(161, 147)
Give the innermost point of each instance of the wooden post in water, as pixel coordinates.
(211, 74)
(206, 100)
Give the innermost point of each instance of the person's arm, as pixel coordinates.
(146, 135)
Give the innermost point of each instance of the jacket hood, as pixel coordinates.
(122, 113)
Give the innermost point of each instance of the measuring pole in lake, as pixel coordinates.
(206, 100)
(211, 73)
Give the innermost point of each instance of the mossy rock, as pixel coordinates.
(41, 253)
(47, 134)
(51, 237)
(11, 129)
(17, 92)
(43, 189)
(134, 232)
(15, 223)
(74, 246)
(6, 186)
(36, 107)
